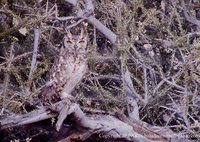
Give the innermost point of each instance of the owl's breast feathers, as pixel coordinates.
(67, 71)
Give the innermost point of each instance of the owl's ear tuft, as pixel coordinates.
(83, 33)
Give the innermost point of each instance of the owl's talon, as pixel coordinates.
(51, 108)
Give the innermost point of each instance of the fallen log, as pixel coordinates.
(105, 126)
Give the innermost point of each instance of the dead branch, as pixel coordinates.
(35, 50)
(31, 117)
(133, 110)
(137, 126)
(104, 125)
(187, 17)
(7, 77)
(130, 87)
(36, 44)
(92, 20)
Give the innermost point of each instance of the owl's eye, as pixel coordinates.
(81, 42)
(69, 42)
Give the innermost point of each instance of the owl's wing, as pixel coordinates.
(55, 66)
(50, 93)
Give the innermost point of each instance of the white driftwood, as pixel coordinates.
(104, 125)
(31, 117)
(108, 127)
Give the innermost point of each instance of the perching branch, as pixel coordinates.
(104, 125)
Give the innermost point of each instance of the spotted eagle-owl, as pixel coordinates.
(68, 69)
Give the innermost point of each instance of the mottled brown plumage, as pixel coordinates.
(68, 69)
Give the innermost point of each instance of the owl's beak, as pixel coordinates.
(75, 47)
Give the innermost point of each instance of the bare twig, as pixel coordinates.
(132, 96)
(145, 85)
(7, 78)
(73, 2)
(36, 43)
(75, 24)
(189, 18)
(35, 50)
(174, 84)
(130, 89)
(107, 32)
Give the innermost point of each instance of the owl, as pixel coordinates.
(68, 69)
